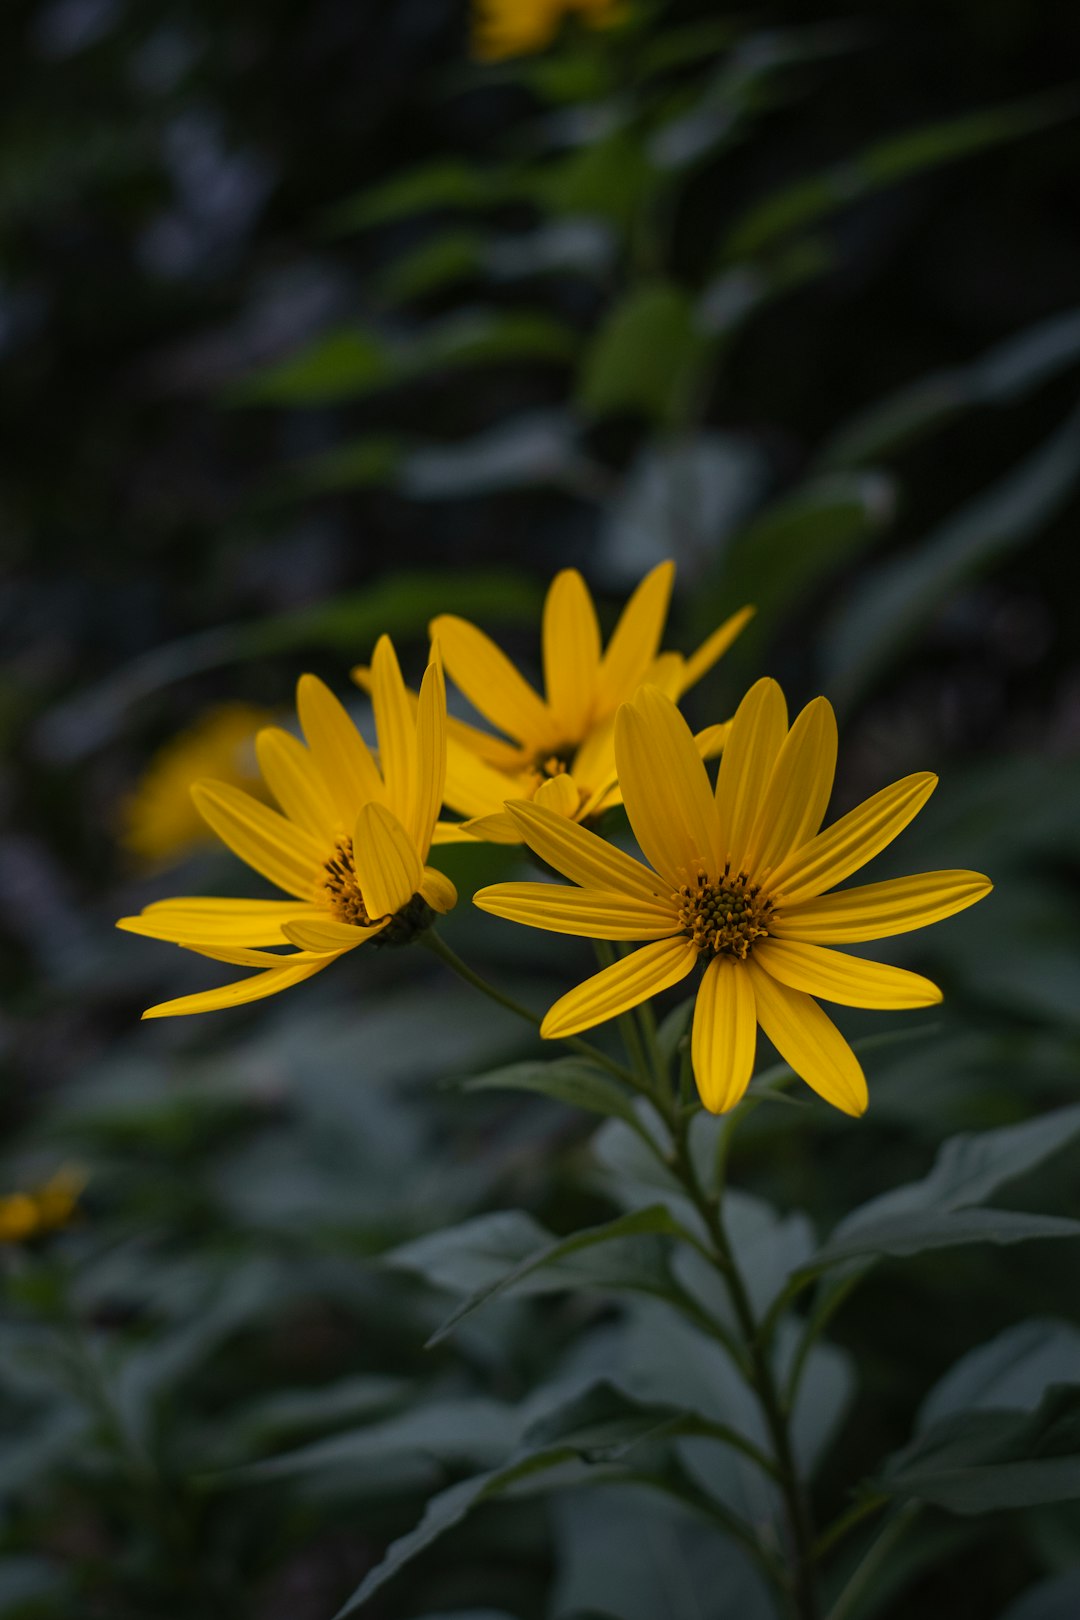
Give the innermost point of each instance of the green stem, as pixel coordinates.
(628, 1029)
(866, 1573)
(453, 961)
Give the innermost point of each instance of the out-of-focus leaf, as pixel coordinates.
(655, 1219)
(896, 599)
(1055, 1599)
(887, 162)
(676, 47)
(399, 605)
(577, 245)
(729, 300)
(481, 336)
(991, 1461)
(569, 1080)
(448, 183)
(348, 466)
(1011, 1373)
(527, 452)
(291, 1412)
(1004, 374)
(643, 356)
(444, 259)
(903, 1235)
(603, 179)
(26, 1582)
(344, 364)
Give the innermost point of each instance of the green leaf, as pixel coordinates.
(1012, 1372)
(894, 602)
(530, 451)
(914, 1233)
(1055, 1599)
(344, 364)
(569, 1080)
(655, 1219)
(674, 1028)
(1004, 374)
(886, 163)
(358, 465)
(991, 1461)
(483, 336)
(643, 356)
(603, 179)
(446, 184)
(446, 258)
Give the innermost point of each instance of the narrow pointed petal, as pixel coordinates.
(396, 730)
(849, 981)
(808, 1039)
(253, 988)
(580, 855)
(850, 842)
(590, 913)
(277, 848)
(209, 921)
(571, 645)
(710, 742)
(876, 910)
(757, 733)
(667, 672)
(635, 640)
(714, 648)
(665, 789)
(438, 891)
(798, 790)
(240, 956)
(297, 784)
(491, 683)
(724, 1037)
(455, 832)
(560, 794)
(323, 933)
(388, 869)
(500, 828)
(475, 788)
(341, 754)
(430, 756)
(615, 989)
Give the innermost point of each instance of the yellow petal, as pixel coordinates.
(665, 789)
(396, 730)
(438, 890)
(500, 828)
(591, 913)
(505, 756)
(847, 980)
(809, 1041)
(635, 639)
(277, 848)
(571, 643)
(710, 742)
(559, 793)
(667, 672)
(699, 663)
(756, 736)
(253, 988)
(875, 910)
(323, 933)
(240, 956)
(850, 842)
(625, 984)
(579, 854)
(388, 869)
(799, 788)
(474, 787)
(492, 684)
(341, 754)
(209, 921)
(724, 1036)
(593, 764)
(430, 755)
(455, 832)
(296, 783)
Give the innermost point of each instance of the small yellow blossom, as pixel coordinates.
(26, 1215)
(504, 28)
(349, 847)
(562, 752)
(160, 823)
(737, 884)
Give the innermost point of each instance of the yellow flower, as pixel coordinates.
(161, 824)
(738, 885)
(349, 848)
(503, 28)
(25, 1215)
(563, 748)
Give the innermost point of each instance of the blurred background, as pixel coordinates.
(317, 319)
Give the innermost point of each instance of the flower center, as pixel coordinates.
(342, 892)
(724, 918)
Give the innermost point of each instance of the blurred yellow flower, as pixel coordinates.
(350, 846)
(160, 822)
(26, 1215)
(563, 748)
(738, 884)
(502, 28)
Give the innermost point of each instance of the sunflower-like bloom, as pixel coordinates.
(562, 752)
(160, 823)
(27, 1215)
(738, 884)
(349, 847)
(504, 28)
